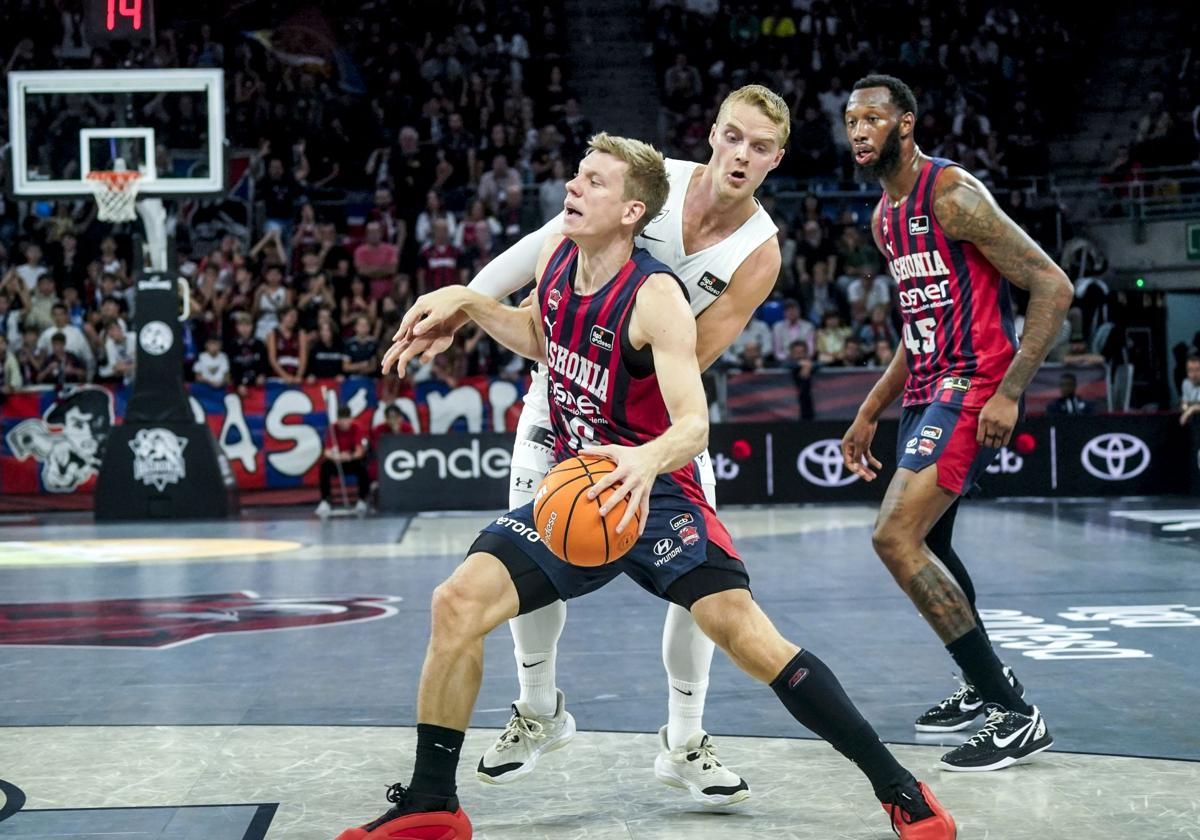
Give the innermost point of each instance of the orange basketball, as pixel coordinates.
(571, 525)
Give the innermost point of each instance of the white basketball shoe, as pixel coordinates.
(694, 766)
(526, 737)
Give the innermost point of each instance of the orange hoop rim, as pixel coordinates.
(113, 179)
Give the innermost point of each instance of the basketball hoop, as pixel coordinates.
(116, 193)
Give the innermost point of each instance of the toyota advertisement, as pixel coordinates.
(763, 463)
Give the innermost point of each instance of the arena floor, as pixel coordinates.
(141, 696)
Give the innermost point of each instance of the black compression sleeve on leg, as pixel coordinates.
(813, 695)
(980, 667)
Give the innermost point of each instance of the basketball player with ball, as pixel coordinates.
(613, 326)
(722, 245)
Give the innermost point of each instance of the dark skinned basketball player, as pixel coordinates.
(962, 374)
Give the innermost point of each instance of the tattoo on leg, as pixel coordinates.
(941, 602)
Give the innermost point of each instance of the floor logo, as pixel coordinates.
(1116, 456)
(167, 622)
(821, 463)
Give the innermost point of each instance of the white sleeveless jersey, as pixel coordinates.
(705, 273)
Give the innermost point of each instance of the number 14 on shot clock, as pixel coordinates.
(131, 9)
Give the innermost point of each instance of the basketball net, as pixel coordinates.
(116, 193)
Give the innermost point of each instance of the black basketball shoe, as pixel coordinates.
(1006, 738)
(962, 707)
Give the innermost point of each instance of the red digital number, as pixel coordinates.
(131, 9)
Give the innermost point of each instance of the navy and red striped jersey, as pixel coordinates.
(602, 390)
(958, 319)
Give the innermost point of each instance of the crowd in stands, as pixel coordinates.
(445, 127)
(976, 68)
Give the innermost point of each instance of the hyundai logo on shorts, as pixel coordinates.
(821, 464)
(662, 547)
(1116, 456)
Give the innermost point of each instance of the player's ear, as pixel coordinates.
(634, 210)
(778, 158)
(908, 122)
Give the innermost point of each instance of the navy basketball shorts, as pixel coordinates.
(943, 434)
(684, 554)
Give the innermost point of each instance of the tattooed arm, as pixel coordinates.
(967, 211)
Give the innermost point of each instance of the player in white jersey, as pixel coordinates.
(722, 244)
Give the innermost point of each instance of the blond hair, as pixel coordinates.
(765, 100)
(645, 175)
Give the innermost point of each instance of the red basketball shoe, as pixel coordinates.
(416, 816)
(917, 815)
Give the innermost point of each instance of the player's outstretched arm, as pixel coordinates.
(967, 211)
(721, 323)
(663, 321)
(508, 272)
(516, 327)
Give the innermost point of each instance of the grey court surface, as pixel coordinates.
(258, 679)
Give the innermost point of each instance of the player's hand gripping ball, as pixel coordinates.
(571, 525)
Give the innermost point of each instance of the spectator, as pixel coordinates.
(28, 356)
(434, 210)
(10, 369)
(287, 349)
(280, 192)
(394, 423)
(77, 343)
(1189, 390)
(326, 357)
(878, 328)
(814, 248)
(852, 354)
(885, 351)
(821, 297)
(272, 298)
(681, 84)
(10, 319)
(440, 263)
(1068, 402)
(750, 357)
(362, 349)
(553, 191)
(39, 306)
(120, 355)
(316, 298)
(345, 455)
(496, 184)
(800, 361)
(32, 268)
(756, 331)
(212, 366)
(831, 339)
(377, 261)
(247, 355)
(791, 329)
(60, 367)
(358, 304)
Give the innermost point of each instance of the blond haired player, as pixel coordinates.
(722, 244)
(645, 411)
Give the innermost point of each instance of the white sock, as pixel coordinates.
(685, 710)
(687, 656)
(535, 646)
(535, 672)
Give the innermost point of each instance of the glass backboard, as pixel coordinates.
(169, 125)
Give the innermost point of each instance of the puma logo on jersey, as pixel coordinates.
(713, 284)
